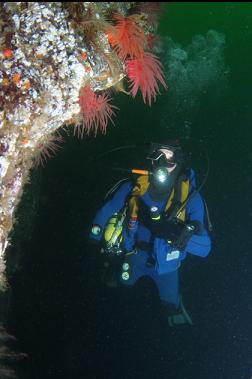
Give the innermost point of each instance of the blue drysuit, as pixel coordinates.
(167, 259)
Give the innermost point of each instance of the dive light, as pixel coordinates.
(160, 174)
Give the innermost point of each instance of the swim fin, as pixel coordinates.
(181, 317)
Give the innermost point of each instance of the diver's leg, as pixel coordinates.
(109, 272)
(168, 285)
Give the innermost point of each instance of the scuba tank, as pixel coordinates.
(113, 234)
(115, 260)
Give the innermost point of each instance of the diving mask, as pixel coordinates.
(162, 157)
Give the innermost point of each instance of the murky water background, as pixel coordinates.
(72, 327)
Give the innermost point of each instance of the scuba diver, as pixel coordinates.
(152, 224)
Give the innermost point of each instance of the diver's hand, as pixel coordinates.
(180, 232)
(166, 229)
(188, 230)
(195, 226)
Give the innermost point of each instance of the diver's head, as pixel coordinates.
(166, 163)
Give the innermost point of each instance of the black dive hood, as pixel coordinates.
(157, 158)
(161, 180)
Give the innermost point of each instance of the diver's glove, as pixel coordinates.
(176, 231)
(167, 229)
(189, 228)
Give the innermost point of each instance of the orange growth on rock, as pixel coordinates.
(47, 149)
(25, 141)
(84, 56)
(96, 111)
(6, 82)
(126, 37)
(16, 78)
(144, 74)
(7, 52)
(27, 84)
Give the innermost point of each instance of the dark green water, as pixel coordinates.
(68, 324)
